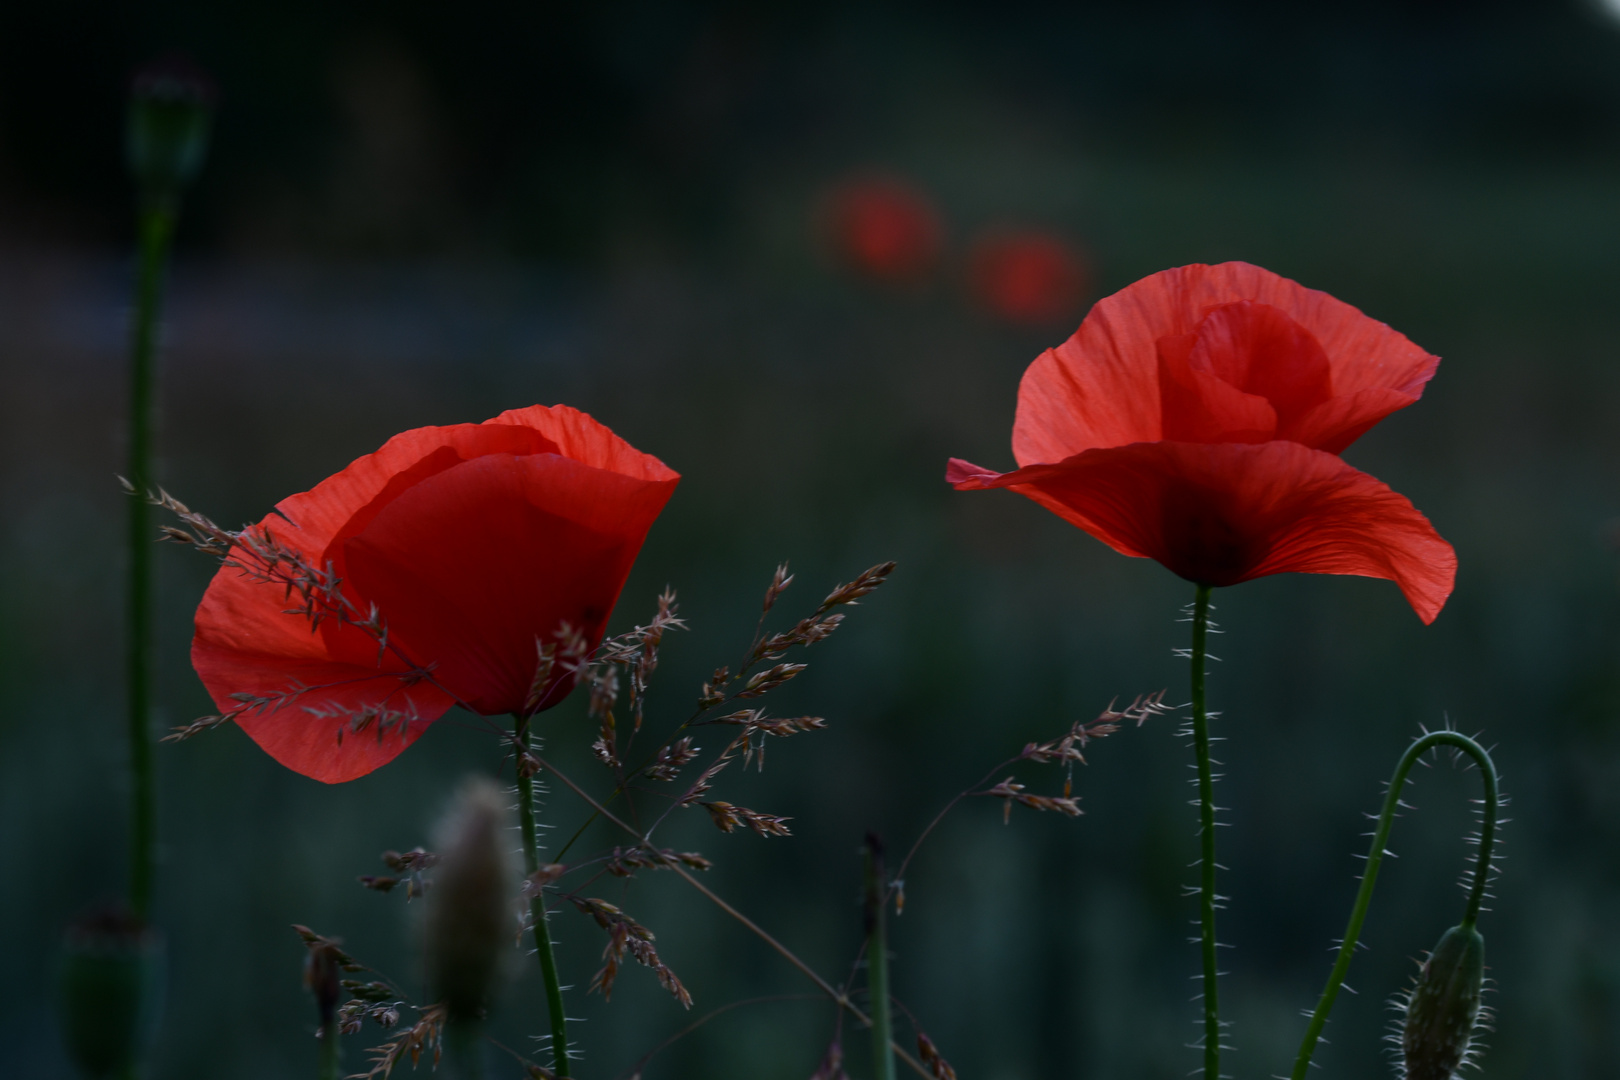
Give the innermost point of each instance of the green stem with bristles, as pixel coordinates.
(1206, 836)
(156, 225)
(1375, 858)
(877, 962)
(537, 912)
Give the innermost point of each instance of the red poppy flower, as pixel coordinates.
(1196, 418)
(884, 228)
(430, 571)
(1028, 277)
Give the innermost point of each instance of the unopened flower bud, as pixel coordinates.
(171, 107)
(110, 989)
(1443, 1007)
(470, 907)
(323, 978)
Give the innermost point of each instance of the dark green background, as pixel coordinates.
(422, 214)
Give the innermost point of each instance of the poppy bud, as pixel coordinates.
(1443, 1007)
(469, 908)
(171, 107)
(110, 990)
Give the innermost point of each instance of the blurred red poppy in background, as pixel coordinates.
(1196, 418)
(1028, 277)
(440, 563)
(885, 228)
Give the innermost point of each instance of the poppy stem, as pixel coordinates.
(156, 228)
(330, 1046)
(466, 1044)
(1375, 859)
(537, 912)
(877, 961)
(1206, 834)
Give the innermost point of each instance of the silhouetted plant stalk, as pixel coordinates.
(170, 110)
(1443, 1008)
(877, 963)
(111, 984)
(156, 226)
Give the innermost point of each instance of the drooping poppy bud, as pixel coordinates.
(1443, 1007)
(171, 108)
(110, 989)
(470, 905)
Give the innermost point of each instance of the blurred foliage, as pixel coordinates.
(415, 216)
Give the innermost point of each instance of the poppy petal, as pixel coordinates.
(1199, 406)
(1340, 421)
(353, 497)
(328, 506)
(1100, 388)
(1260, 350)
(464, 564)
(246, 644)
(1223, 513)
(584, 439)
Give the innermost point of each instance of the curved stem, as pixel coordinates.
(156, 226)
(537, 914)
(1375, 858)
(1206, 835)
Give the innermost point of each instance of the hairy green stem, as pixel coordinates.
(1375, 858)
(1206, 836)
(537, 913)
(877, 961)
(156, 224)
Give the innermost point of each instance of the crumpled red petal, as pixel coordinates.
(1101, 387)
(465, 563)
(1198, 406)
(247, 643)
(321, 746)
(1259, 348)
(1223, 513)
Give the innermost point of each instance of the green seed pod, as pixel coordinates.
(1443, 1008)
(469, 918)
(110, 990)
(171, 108)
